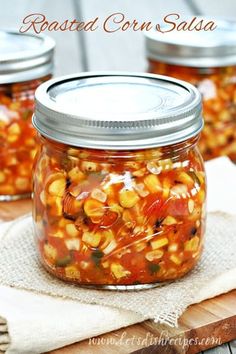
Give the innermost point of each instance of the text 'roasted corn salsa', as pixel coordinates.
(208, 61)
(25, 62)
(118, 217)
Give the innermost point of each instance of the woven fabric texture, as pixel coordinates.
(20, 268)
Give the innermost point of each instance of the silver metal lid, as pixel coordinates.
(117, 111)
(24, 57)
(201, 49)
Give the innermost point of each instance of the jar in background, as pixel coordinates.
(208, 61)
(26, 61)
(119, 183)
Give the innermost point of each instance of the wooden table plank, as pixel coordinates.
(223, 349)
(68, 59)
(123, 50)
(232, 346)
(12, 210)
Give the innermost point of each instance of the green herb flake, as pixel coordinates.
(154, 268)
(27, 114)
(63, 262)
(97, 256)
(195, 178)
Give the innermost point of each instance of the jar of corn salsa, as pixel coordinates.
(25, 62)
(119, 183)
(207, 59)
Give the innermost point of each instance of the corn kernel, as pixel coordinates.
(105, 264)
(139, 173)
(23, 170)
(175, 259)
(159, 243)
(22, 183)
(75, 190)
(128, 198)
(192, 245)
(2, 177)
(99, 195)
(116, 208)
(30, 142)
(153, 255)
(12, 161)
(14, 129)
(140, 189)
(169, 220)
(110, 191)
(57, 187)
(201, 196)
(50, 252)
(42, 197)
(184, 178)
(6, 189)
(153, 168)
(63, 222)
(84, 265)
(152, 183)
(180, 190)
(92, 239)
(88, 166)
(76, 175)
(132, 164)
(15, 106)
(73, 244)
(94, 208)
(139, 247)
(72, 230)
(12, 138)
(58, 233)
(56, 205)
(166, 165)
(191, 205)
(110, 247)
(72, 272)
(118, 271)
(173, 247)
(166, 188)
(73, 152)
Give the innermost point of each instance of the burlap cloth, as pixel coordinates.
(20, 268)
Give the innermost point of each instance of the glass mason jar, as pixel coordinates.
(208, 61)
(25, 62)
(119, 183)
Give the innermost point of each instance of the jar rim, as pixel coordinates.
(144, 110)
(24, 57)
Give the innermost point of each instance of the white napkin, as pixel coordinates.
(38, 323)
(221, 185)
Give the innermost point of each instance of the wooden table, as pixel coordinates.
(79, 51)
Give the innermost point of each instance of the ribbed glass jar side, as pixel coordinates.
(119, 219)
(17, 138)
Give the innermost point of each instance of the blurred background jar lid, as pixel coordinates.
(24, 57)
(194, 48)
